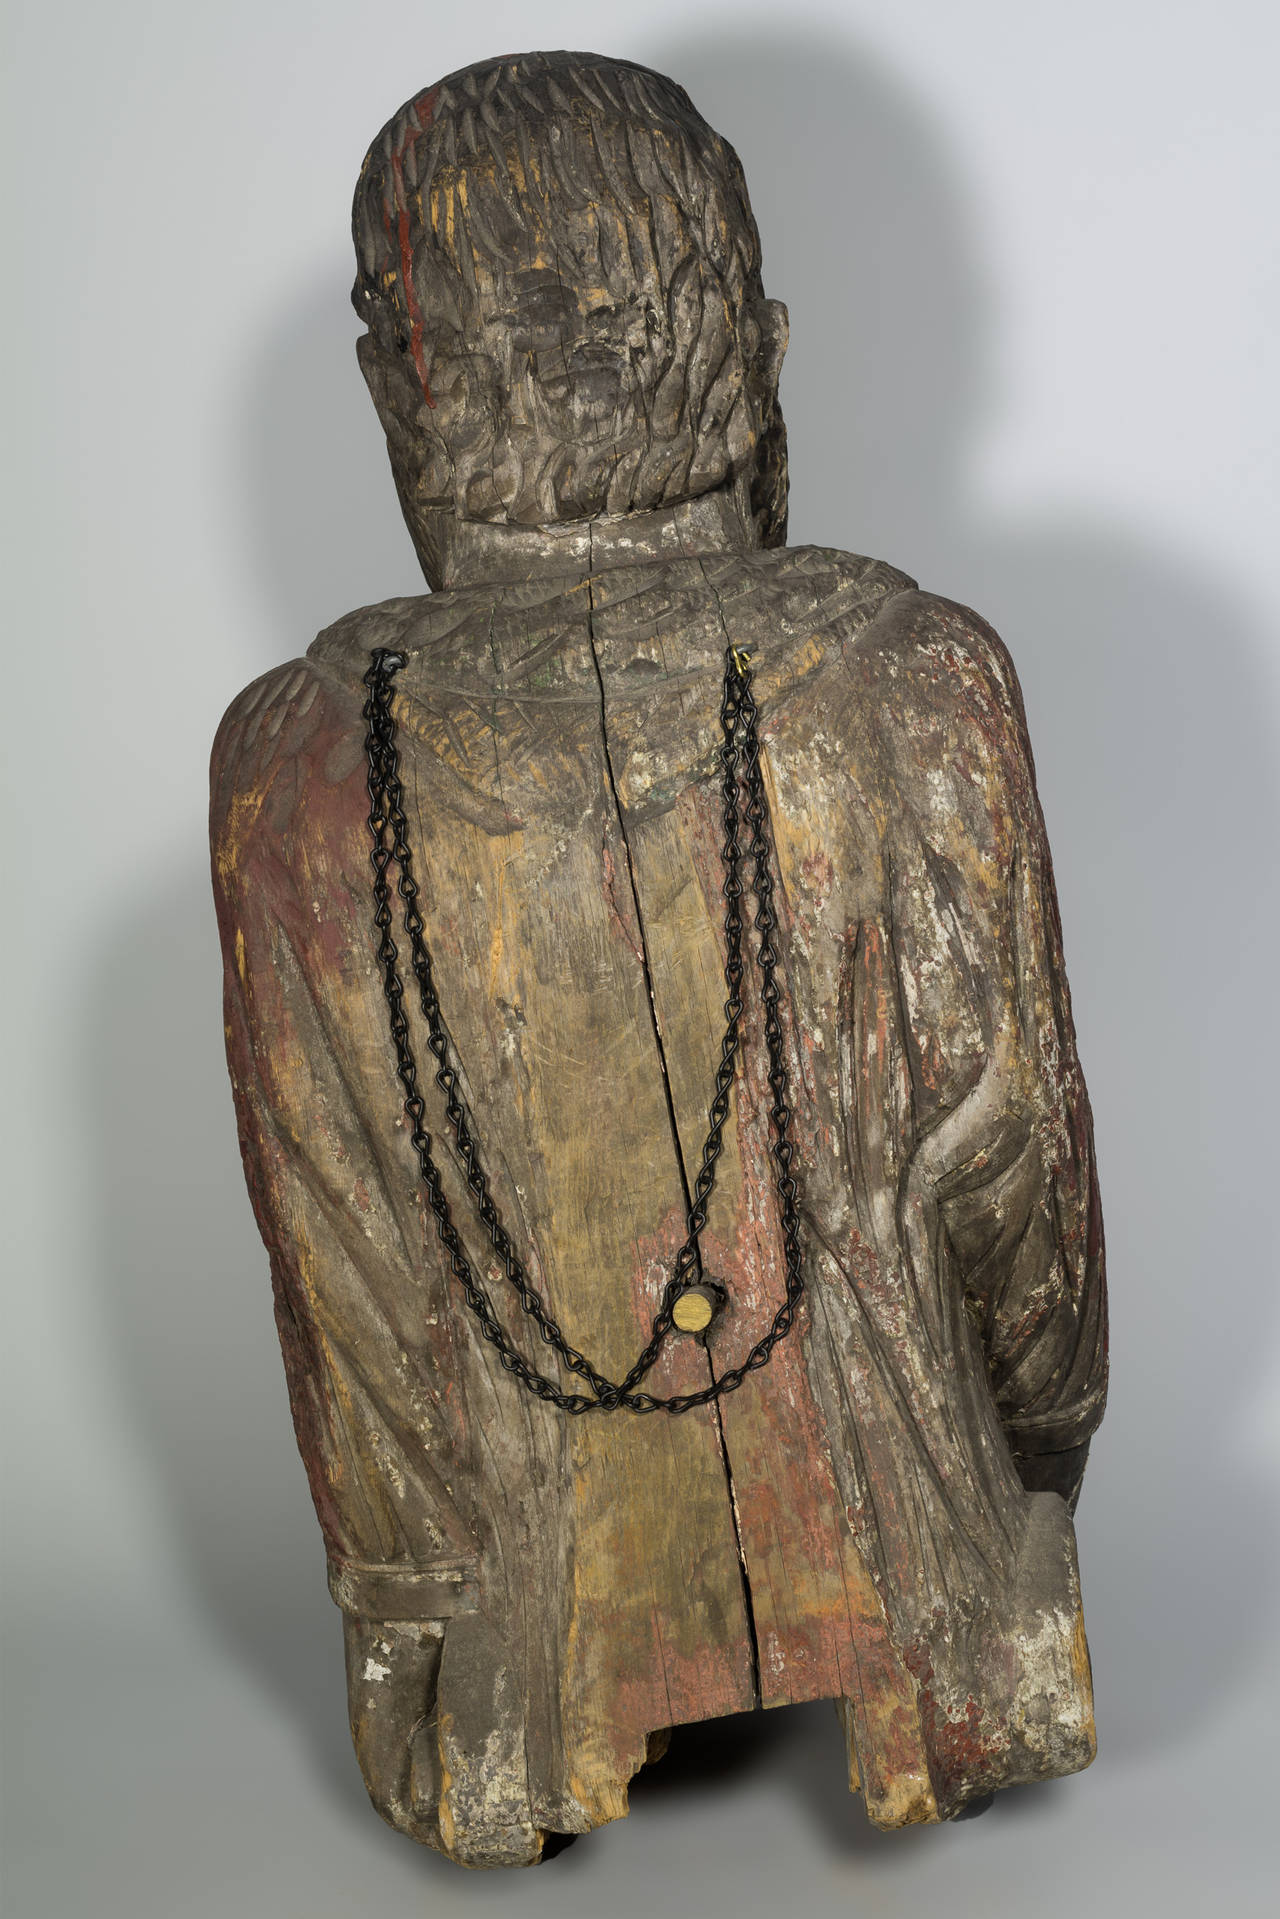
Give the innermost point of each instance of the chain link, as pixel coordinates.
(740, 766)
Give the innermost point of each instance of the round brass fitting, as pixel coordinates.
(697, 1306)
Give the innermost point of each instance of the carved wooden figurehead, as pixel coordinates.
(651, 1048)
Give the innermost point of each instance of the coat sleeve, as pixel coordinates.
(365, 1339)
(1001, 1139)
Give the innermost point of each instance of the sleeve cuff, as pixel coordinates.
(430, 1589)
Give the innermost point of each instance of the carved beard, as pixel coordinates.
(595, 364)
(590, 425)
(580, 294)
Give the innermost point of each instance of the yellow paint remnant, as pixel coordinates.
(1083, 1672)
(448, 1827)
(907, 1800)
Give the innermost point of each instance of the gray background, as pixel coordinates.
(1031, 264)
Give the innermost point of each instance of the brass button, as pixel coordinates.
(695, 1309)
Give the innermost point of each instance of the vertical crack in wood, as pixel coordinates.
(748, 1608)
(747, 1602)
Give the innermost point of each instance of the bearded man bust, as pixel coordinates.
(570, 351)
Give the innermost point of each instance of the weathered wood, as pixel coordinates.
(881, 1516)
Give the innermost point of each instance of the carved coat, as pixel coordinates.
(853, 1523)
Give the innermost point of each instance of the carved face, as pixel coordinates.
(587, 343)
(565, 309)
(583, 360)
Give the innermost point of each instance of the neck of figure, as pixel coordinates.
(476, 552)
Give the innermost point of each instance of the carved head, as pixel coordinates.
(560, 274)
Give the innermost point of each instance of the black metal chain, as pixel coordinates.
(740, 764)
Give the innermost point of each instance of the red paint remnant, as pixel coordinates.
(964, 1746)
(360, 1193)
(423, 107)
(818, 878)
(960, 1746)
(933, 1063)
(406, 281)
(625, 924)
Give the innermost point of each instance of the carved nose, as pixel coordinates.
(622, 326)
(596, 370)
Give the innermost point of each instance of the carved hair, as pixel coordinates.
(511, 169)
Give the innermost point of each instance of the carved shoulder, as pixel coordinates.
(295, 729)
(398, 622)
(942, 658)
(821, 590)
(248, 734)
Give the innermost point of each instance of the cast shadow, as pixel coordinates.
(187, 1317)
(1143, 684)
(1146, 691)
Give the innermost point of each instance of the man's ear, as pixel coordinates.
(420, 458)
(463, 409)
(775, 330)
(395, 397)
